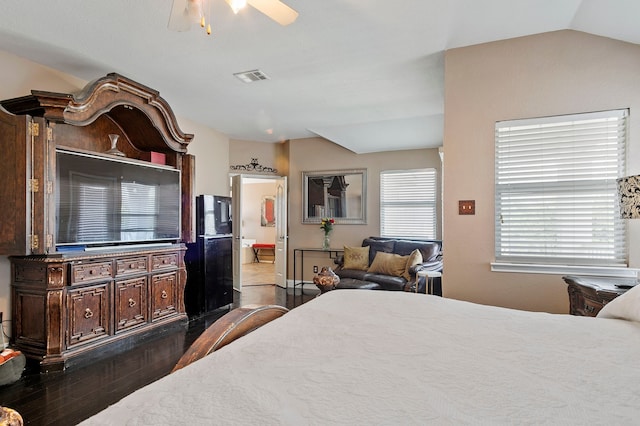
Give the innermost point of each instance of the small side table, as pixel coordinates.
(588, 295)
(429, 276)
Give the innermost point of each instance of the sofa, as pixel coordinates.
(394, 269)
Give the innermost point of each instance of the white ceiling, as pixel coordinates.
(367, 75)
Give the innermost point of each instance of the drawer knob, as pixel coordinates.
(88, 313)
(133, 265)
(132, 303)
(589, 308)
(164, 294)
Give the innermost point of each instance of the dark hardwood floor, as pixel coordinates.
(68, 397)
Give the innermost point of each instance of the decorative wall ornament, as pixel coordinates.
(253, 166)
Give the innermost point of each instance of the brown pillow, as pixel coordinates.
(388, 264)
(415, 258)
(356, 258)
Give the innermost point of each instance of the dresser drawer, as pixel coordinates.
(589, 307)
(164, 261)
(88, 272)
(131, 265)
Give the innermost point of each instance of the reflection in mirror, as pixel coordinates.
(339, 194)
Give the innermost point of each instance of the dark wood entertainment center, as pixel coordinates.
(71, 303)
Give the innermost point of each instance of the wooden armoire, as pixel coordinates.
(72, 303)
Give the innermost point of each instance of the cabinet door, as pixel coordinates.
(219, 273)
(164, 295)
(131, 303)
(23, 185)
(89, 317)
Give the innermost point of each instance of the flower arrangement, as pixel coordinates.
(326, 224)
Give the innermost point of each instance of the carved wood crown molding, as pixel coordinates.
(112, 95)
(253, 166)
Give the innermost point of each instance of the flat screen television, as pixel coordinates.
(102, 201)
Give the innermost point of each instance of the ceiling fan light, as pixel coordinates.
(202, 21)
(236, 5)
(209, 29)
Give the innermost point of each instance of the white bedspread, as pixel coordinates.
(379, 357)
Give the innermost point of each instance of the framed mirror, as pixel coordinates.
(337, 194)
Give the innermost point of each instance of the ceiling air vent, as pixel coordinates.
(251, 76)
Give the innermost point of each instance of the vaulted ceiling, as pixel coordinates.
(367, 75)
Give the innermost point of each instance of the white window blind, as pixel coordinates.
(408, 203)
(555, 189)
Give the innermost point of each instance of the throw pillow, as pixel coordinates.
(388, 264)
(378, 245)
(415, 258)
(356, 258)
(625, 306)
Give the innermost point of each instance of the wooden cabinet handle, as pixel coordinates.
(87, 313)
(132, 303)
(164, 294)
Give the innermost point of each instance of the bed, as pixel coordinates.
(368, 357)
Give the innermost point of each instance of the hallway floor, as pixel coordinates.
(262, 273)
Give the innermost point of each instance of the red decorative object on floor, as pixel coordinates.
(258, 247)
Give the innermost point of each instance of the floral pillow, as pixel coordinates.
(356, 258)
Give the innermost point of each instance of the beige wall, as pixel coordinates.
(316, 154)
(268, 154)
(20, 76)
(549, 74)
(211, 149)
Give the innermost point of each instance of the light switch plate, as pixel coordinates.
(467, 207)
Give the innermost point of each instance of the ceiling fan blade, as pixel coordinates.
(184, 13)
(179, 19)
(276, 10)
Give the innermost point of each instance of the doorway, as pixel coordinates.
(260, 206)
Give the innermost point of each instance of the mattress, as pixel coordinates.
(373, 357)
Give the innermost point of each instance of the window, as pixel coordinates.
(555, 189)
(408, 203)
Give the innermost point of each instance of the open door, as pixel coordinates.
(237, 183)
(236, 224)
(281, 232)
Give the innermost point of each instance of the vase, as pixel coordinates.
(114, 146)
(326, 242)
(326, 280)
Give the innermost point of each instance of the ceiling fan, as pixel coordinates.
(185, 12)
